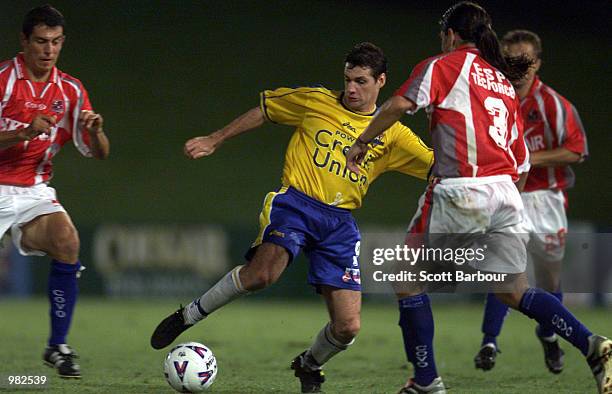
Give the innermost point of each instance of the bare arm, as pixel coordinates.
(554, 157)
(13, 137)
(41, 124)
(98, 142)
(390, 112)
(198, 147)
(100, 146)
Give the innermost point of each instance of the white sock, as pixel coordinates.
(223, 292)
(324, 347)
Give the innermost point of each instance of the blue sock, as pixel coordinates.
(417, 324)
(547, 331)
(548, 311)
(494, 314)
(62, 293)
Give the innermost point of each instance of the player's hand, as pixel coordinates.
(355, 156)
(91, 121)
(41, 124)
(198, 147)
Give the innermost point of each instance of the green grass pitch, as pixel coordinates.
(254, 341)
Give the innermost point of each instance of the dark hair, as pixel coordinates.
(42, 15)
(526, 36)
(473, 24)
(367, 54)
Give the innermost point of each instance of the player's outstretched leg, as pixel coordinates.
(63, 289)
(547, 310)
(264, 268)
(344, 308)
(417, 324)
(224, 291)
(493, 319)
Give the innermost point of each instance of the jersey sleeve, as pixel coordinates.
(565, 123)
(286, 106)
(4, 74)
(421, 87)
(409, 154)
(79, 102)
(575, 137)
(519, 145)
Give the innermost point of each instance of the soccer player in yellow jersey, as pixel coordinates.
(311, 212)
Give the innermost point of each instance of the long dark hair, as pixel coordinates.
(473, 24)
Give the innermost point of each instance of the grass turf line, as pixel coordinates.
(255, 340)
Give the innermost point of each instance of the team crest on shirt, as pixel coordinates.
(533, 115)
(57, 106)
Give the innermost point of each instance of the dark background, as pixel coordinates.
(163, 71)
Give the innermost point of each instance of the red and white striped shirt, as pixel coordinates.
(551, 122)
(474, 115)
(29, 163)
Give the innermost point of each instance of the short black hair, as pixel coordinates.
(367, 54)
(42, 15)
(526, 36)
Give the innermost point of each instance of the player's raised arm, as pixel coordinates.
(198, 147)
(390, 112)
(93, 123)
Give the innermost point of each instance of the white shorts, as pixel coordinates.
(21, 205)
(547, 223)
(488, 207)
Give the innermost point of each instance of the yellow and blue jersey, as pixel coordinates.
(315, 161)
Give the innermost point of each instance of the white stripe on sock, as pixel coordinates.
(223, 292)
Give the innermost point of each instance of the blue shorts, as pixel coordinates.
(328, 236)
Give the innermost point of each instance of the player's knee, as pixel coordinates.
(258, 280)
(346, 330)
(549, 282)
(551, 286)
(513, 300)
(267, 278)
(265, 268)
(65, 244)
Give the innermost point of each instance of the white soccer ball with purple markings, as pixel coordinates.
(190, 367)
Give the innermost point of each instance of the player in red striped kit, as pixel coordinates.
(41, 109)
(556, 139)
(479, 151)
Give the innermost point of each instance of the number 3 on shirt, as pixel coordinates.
(499, 129)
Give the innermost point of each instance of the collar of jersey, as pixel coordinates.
(534, 86)
(20, 67)
(356, 112)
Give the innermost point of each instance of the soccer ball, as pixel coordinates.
(190, 367)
